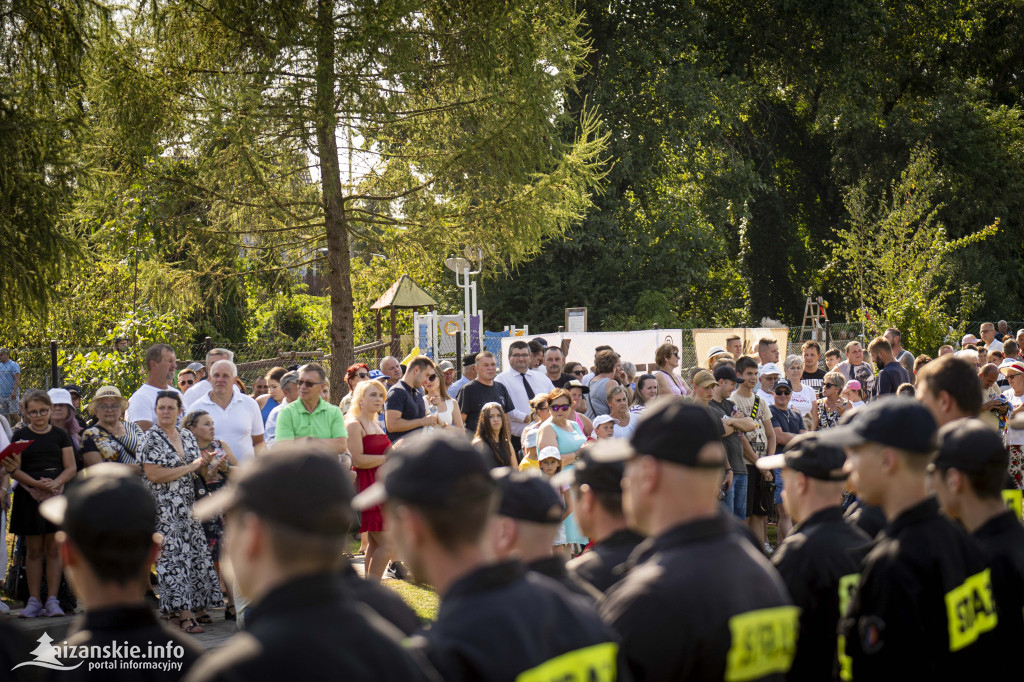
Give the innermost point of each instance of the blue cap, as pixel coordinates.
(375, 374)
(901, 423)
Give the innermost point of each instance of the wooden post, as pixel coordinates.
(380, 349)
(395, 345)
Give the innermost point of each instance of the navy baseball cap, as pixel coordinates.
(602, 477)
(527, 496)
(901, 423)
(808, 455)
(969, 445)
(783, 383)
(430, 470)
(672, 430)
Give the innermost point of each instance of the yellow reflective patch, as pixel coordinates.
(847, 586)
(970, 610)
(592, 664)
(763, 642)
(845, 662)
(1012, 499)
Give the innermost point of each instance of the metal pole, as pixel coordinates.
(208, 342)
(54, 371)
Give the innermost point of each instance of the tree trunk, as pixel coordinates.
(335, 221)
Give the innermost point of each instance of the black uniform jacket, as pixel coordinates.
(554, 567)
(1002, 543)
(597, 565)
(501, 622)
(127, 626)
(384, 601)
(820, 564)
(312, 628)
(924, 606)
(700, 603)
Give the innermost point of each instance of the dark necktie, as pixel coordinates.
(529, 390)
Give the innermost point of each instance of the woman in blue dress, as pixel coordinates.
(565, 434)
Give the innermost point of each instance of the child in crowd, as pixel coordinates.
(604, 427)
(832, 358)
(550, 461)
(854, 392)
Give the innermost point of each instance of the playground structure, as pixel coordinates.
(405, 293)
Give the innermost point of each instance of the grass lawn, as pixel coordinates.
(422, 600)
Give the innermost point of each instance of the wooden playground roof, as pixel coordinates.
(405, 293)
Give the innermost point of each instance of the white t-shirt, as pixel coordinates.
(198, 390)
(444, 417)
(1013, 436)
(236, 425)
(627, 430)
(803, 400)
(142, 404)
(995, 345)
(270, 427)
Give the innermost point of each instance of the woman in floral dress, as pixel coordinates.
(170, 458)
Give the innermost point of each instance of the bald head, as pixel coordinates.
(988, 374)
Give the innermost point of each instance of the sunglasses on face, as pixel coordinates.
(541, 408)
(432, 377)
(311, 384)
(189, 382)
(362, 375)
(783, 392)
(559, 408)
(579, 373)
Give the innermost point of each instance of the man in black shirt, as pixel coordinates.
(891, 374)
(597, 503)
(733, 424)
(482, 390)
(497, 621)
(405, 412)
(554, 361)
(698, 603)
(108, 543)
(820, 560)
(528, 519)
(968, 477)
(923, 606)
(286, 524)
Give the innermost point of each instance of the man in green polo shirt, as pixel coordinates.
(311, 416)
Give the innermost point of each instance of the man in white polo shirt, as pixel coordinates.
(236, 417)
(201, 388)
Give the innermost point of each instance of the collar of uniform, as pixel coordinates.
(997, 525)
(119, 618)
(683, 534)
(302, 592)
(919, 512)
(623, 536)
(551, 566)
(489, 577)
(826, 515)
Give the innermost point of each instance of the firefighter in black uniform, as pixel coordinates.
(923, 607)
(497, 620)
(597, 503)
(287, 518)
(968, 475)
(820, 560)
(699, 602)
(528, 519)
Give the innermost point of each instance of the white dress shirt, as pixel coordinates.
(513, 382)
(235, 425)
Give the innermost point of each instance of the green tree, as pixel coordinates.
(896, 257)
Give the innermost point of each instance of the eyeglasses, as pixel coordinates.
(519, 355)
(559, 408)
(311, 384)
(39, 413)
(362, 375)
(675, 354)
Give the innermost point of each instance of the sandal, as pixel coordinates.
(190, 626)
(230, 613)
(204, 619)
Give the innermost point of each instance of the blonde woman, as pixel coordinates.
(368, 445)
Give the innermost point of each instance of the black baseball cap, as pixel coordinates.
(969, 445)
(527, 496)
(541, 340)
(726, 373)
(469, 360)
(107, 512)
(430, 470)
(672, 430)
(298, 485)
(808, 455)
(783, 383)
(897, 422)
(73, 388)
(602, 477)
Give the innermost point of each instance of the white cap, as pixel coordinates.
(60, 396)
(769, 368)
(550, 452)
(716, 350)
(603, 419)
(531, 438)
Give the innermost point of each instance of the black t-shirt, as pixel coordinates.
(405, 399)
(891, 377)
(45, 454)
(814, 379)
(561, 381)
(475, 395)
(733, 444)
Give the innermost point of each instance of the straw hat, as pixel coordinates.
(108, 392)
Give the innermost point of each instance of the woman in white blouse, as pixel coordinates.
(438, 403)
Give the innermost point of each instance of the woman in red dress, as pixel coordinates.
(368, 444)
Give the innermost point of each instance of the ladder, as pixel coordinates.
(815, 313)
